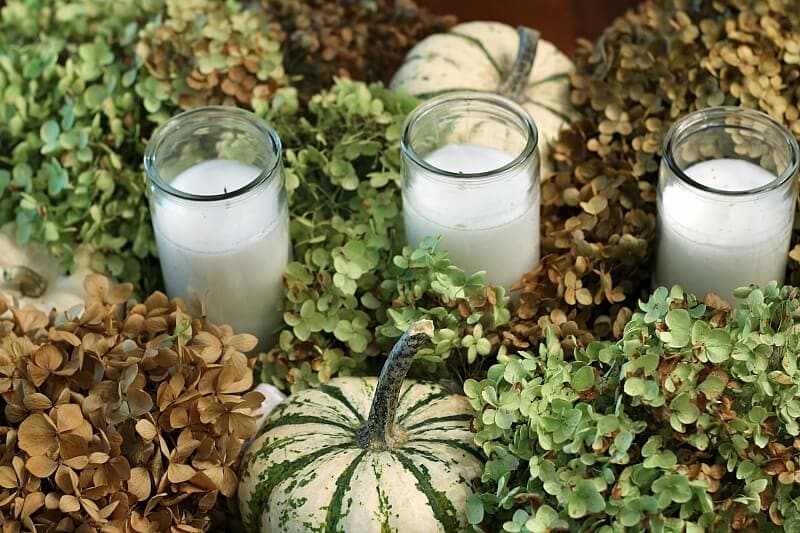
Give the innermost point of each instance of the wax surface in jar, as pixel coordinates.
(713, 243)
(232, 253)
(495, 228)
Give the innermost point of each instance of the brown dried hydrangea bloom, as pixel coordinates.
(206, 52)
(354, 39)
(119, 416)
(649, 68)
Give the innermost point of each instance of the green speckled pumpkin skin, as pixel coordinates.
(307, 472)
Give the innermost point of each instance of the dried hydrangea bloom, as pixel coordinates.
(349, 38)
(649, 68)
(209, 52)
(118, 415)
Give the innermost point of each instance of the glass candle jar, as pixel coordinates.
(470, 168)
(726, 200)
(220, 215)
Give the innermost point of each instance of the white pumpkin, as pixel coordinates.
(32, 263)
(494, 57)
(363, 455)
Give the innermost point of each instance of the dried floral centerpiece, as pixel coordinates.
(119, 415)
(83, 84)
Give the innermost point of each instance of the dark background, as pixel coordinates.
(560, 21)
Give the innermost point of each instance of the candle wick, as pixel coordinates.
(225, 189)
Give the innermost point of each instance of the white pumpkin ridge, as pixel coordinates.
(316, 467)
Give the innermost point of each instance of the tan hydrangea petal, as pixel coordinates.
(223, 479)
(8, 478)
(51, 501)
(49, 357)
(32, 503)
(37, 434)
(210, 410)
(30, 318)
(60, 335)
(69, 504)
(207, 347)
(91, 509)
(98, 458)
(139, 402)
(139, 483)
(236, 375)
(139, 523)
(66, 479)
(37, 402)
(68, 417)
(120, 293)
(78, 462)
(243, 342)
(41, 466)
(178, 473)
(146, 429)
(251, 400)
(241, 425)
(96, 286)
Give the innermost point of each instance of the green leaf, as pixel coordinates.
(51, 233)
(21, 176)
(757, 414)
(585, 499)
(24, 226)
(503, 418)
(634, 386)
(664, 460)
(129, 78)
(472, 388)
(93, 96)
(583, 379)
(57, 178)
(712, 387)
(607, 424)
(679, 323)
(674, 488)
(685, 408)
(49, 132)
(656, 307)
(5, 180)
(474, 509)
(652, 446)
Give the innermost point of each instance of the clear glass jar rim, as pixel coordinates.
(492, 99)
(701, 115)
(173, 124)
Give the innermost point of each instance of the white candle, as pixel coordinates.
(232, 252)
(492, 227)
(712, 242)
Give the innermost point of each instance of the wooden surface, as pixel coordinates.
(559, 21)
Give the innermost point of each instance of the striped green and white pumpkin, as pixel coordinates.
(364, 455)
(494, 57)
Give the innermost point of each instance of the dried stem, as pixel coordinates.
(515, 84)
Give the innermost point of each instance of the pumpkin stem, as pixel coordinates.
(29, 282)
(379, 431)
(516, 81)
